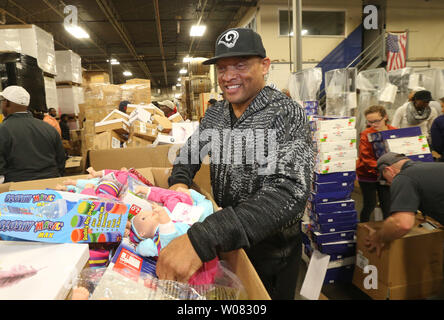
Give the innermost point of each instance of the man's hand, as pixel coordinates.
(178, 260)
(178, 185)
(372, 241)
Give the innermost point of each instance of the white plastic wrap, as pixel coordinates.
(340, 88)
(431, 79)
(69, 67)
(52, 100)
(375, 89)
(69, 99)
(32, 41)
(305, 85)
(400, 78)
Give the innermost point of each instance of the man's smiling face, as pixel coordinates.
(241, 78)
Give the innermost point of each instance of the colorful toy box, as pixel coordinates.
(61, 217)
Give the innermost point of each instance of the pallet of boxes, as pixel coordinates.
(329, 224)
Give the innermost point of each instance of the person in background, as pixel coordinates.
(123, 105)
(414, 186)
(65, 127)
(52, 112)
(437, 135)
(416, 113)
(167, 107)
(30, 149)
(48, 118)
(261, 206)
(366, 170)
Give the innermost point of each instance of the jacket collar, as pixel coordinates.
(25, 114)
(261, 101)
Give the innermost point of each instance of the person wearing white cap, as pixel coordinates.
(30, 149)
(167, 107)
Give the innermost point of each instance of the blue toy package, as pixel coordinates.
(61, 217)
(335, 177)
(345, 248)
(334, 206)
(315, 198)
(334, 227)
(333, 237)
(394, 134)
(427, 157)
(341, 274)
(335, 217)
(333, 186)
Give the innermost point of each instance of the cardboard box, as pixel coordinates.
(329, 123)
(119, 126)
(140, 114)
(95, 77)
(336, 146)
(166, 139)
(164, 125)
(144, 130)
(116, 115)
(326, 157)
(182, 131)
(409, 268)
(136, 142)
(335, 135)
(107, 140)
(336, 166)
(176, 118)
(237, 260)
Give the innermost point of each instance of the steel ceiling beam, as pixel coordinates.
(159, 37)
(112, 15)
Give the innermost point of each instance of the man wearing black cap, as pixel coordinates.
(262, 208)
(416, 113)
(413, 186)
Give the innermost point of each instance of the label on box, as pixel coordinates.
(361, 261)
(142, 127)
(115, 143)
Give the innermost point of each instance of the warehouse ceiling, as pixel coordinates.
(150, 38)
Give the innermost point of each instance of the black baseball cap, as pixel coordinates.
(238, 42)
(386, 160)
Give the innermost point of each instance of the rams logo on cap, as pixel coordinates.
(229, 39)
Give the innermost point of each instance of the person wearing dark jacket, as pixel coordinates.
(261, 167)
(437, 134)
(64, 127)
(30, 149)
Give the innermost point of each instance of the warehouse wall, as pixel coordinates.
(315, 48)
(425, 21)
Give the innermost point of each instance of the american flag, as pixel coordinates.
(396, 51)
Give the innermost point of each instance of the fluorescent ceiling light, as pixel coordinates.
(177, 95)
(187, 59)
(183, 71)
(179, 79)
(77, 31)
(127, 73)
(114, 61)
(197, 31)
(178, 85)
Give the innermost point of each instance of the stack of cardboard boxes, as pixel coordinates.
(408, 141)
(330, 222)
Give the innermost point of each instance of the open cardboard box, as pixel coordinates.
(409, 268)
(237, 259)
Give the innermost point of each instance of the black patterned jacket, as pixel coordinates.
(261, 207)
